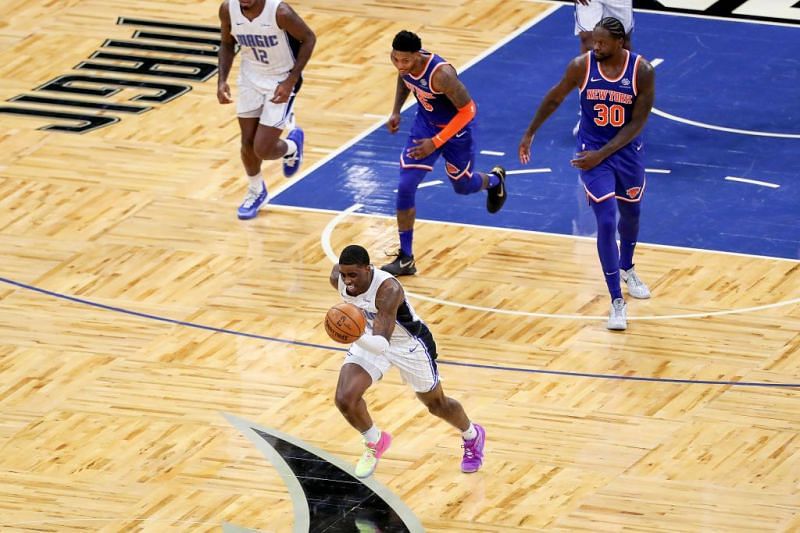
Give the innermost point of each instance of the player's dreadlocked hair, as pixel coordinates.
(406, 41)
(354, 255)
(614, 27)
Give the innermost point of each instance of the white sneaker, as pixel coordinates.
(618, 316)
(636, 286)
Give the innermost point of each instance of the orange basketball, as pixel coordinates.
(345, 323)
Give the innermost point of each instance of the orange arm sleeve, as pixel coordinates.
(456, 124)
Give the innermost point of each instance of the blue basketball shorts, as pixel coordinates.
(458, 152)
(620, 175)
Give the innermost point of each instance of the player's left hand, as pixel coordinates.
(283, 91)
(587, 160)
(423, 148)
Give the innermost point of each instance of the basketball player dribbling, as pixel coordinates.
(275, 45)
(394, 336)
(617, 89)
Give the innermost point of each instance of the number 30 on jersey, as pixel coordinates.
(614, 115)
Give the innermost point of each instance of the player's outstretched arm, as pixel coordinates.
(573, 78)
(227, 50)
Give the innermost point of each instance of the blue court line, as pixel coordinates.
(439, 361)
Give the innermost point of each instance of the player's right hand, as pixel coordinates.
(224, 93)
(525, 149)
(393, 124)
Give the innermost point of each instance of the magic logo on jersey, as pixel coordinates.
(257, 41)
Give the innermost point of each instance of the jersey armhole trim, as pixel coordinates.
(635, 75)
(588, 71)
(430, 83)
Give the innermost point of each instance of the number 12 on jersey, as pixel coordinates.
(614, 115)
(261, 55)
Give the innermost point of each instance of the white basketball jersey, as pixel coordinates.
(406, 320)
(265, 49)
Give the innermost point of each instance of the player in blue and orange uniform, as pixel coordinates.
(442, 126)
(617, 91)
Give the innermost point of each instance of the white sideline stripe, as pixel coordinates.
(753, 182)
(328, 249)
(528, 232)
(529, 171)
(492, 152)
(428, 184)
(657, 170)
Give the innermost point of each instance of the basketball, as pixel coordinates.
(345, 323)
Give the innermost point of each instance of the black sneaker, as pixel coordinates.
(496, 196)
(403, 265)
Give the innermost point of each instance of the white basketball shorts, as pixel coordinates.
(587, 17)
(411, 359)
(253, 101)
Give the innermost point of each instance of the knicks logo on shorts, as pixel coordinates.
(633, 192)
(451, 169)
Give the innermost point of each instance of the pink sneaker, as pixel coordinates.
(473, 451)
(369, 460)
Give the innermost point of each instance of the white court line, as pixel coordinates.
(492, 152)
(303, 173)
(657, 61)
(325, 242)
(754, 133)
(753, 182)
(529, 171)
(334, 212)
(325, 237)
(428, 184)
(657, 170)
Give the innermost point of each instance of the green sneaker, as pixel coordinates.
(374, 450)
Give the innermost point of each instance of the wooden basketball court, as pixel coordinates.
(112, 421)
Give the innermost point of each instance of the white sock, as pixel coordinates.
(291, 148)
(373, 434)
(470, 433)
(256, 182)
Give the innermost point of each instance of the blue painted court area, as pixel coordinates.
(717, 73)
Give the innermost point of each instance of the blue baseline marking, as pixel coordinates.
(453, 363)
(707, 76)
